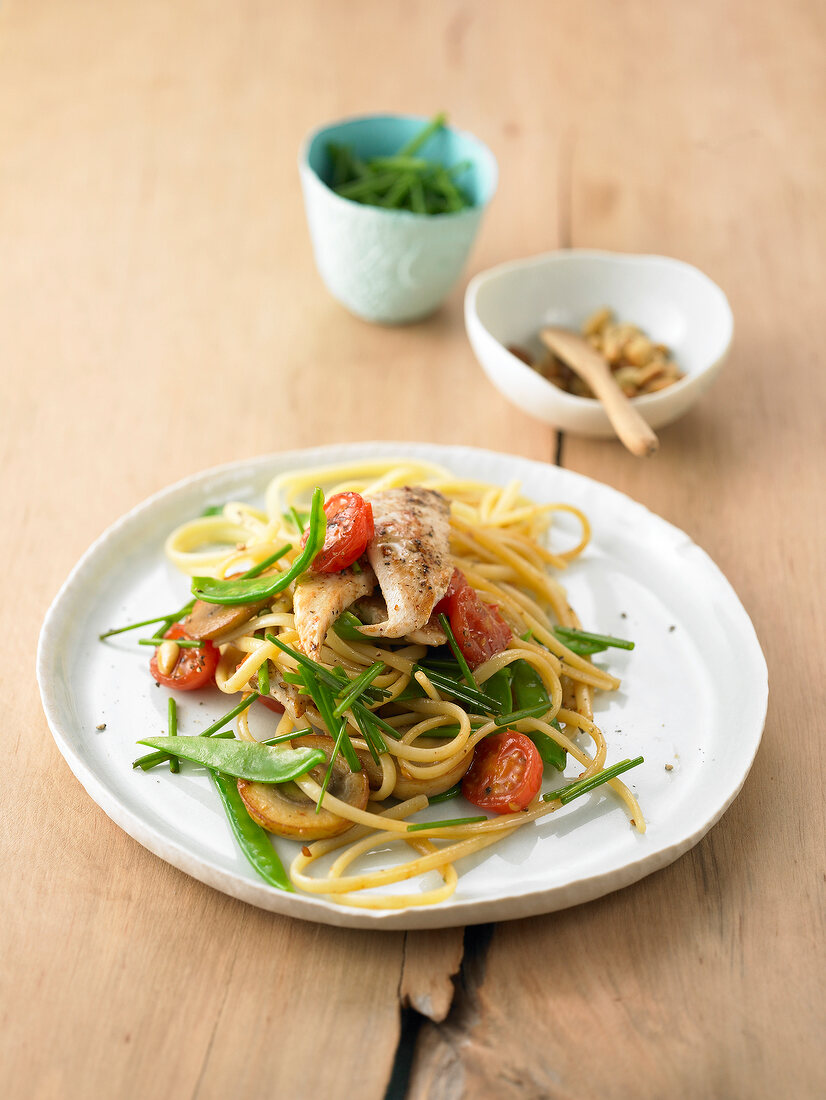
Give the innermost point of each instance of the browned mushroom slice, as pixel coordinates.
(373, 771)
(408, 788)
(214, 621)
(285, 810)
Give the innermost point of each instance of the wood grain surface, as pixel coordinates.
(160, 313)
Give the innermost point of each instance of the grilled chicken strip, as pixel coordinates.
(319, 600)
(430, 634)
(373, 610)
(288, 695)
(410, 555)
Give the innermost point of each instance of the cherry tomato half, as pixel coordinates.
(271, 704)
(505, 774)
(479, 629)
(349, 529)
(195, 668)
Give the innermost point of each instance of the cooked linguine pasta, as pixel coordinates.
(500, 541)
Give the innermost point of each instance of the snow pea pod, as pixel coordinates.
(347, 628)
(243, 759)
(498, 687)
(245, 590)
(253, 841)
(530, 692)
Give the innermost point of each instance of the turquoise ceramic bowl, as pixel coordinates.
(392, 266)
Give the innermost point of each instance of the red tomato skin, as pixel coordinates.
(271, 704)
(195, 667)
(479, 629)
(349, 529)
(505, 774)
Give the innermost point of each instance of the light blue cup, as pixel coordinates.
(392, 266)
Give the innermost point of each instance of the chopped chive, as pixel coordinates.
(419, 826)
(356, 567)
(450, 730)
(359, 708)
(358, 686)
(323, 699)
(296, 518)
(213, 510)
(441, 664)
(183, 643)
(403, 164)
(517, 715)
(370, 732)
(584, 786)
(442, 182)
(264, 678)
(393, 199)
(526, 637)
(173, 617)
(445, 796)
(282, 738)
(444, 622)
(583, 649)
(334, 682)
(417, 199)
(172, 711)
(471, 696)
(257, 570)
(367, 186)
(323, 674)
(151, 759)
(341, 163)
(414, 145)
(328, 774)
(563, 632)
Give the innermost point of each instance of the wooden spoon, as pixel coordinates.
(593, 369)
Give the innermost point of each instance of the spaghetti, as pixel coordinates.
(498, 540)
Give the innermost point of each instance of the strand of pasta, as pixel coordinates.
(494, 532)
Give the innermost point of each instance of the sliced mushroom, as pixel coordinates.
(214, 621)
(373, 771)
(285, 810)
(408, 788)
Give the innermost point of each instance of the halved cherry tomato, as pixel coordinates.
(271, 704)
(349, 529)
(505, 775)
(195, 668)
(479, 629)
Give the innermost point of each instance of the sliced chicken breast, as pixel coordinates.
(319, 600)
(430, 634)
(410, 555)
(373, 610)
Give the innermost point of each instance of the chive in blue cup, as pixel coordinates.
(389, 265)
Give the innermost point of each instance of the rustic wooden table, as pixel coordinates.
(160, 313)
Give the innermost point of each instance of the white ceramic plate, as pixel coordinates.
(694, 697)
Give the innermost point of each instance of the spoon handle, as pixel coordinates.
(632, 430)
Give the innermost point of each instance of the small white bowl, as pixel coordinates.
(672, 302)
